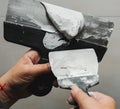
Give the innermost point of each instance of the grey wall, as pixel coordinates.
(109, 67)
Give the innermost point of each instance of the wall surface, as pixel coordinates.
(109, 69)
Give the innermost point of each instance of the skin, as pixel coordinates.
(95, 101)
(20, 76)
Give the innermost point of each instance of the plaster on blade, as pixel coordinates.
(75, 67)
(67, 21)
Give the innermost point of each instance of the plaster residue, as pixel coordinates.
(52, 41)
(68, 22)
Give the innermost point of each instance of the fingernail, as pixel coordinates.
(75, 88)
(92, 94)
(49, 67)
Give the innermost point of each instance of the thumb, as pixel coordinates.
(80, 97)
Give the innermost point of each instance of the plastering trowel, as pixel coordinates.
(75, 67)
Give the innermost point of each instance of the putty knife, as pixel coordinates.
(75, 67)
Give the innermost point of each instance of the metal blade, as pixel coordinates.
(75, 67)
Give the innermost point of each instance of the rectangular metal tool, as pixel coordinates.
(75, 67)
(27, 24)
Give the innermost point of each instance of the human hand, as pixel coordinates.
(18, 78)
(95, 101)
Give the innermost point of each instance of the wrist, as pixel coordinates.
(5, 99)
(5, 93)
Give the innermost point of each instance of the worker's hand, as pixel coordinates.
(17, 80)
(95, 101)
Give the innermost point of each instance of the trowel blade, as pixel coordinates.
(75, 67)
(27, 24)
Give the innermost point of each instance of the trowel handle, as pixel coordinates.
(42, 85)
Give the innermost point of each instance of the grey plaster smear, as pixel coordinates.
(75, 67)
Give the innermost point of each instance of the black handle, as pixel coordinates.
(42, 85)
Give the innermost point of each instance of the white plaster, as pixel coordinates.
(52, 41)
(68, 22)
